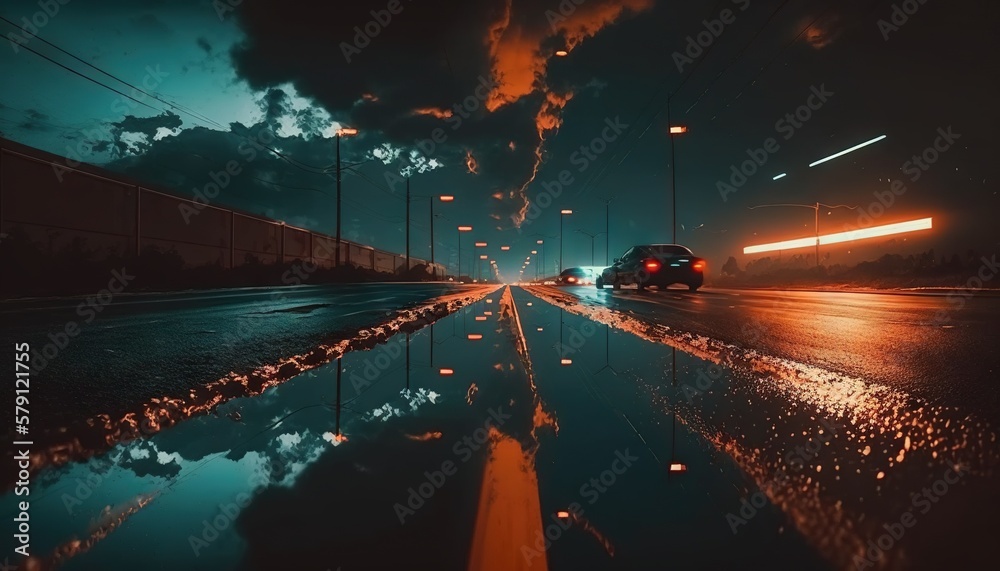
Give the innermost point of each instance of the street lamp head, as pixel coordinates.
(561, 53)
(347, 132)
(483, 257)
(505, 248)
(566, 212)
(480, 244)
(540, 242)
(446, 198)
(534, 252)
(465, 228)
(678, 129)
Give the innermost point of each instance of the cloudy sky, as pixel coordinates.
(510, 116)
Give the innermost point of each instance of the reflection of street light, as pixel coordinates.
(814, 207)
(343, 132)
(562, 216)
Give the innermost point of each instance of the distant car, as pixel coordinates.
(576, 276)
(658, 265)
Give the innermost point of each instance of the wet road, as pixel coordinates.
(520, 434)
(154, 345)
(939, 347)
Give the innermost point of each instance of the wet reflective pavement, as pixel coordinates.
(518, 434)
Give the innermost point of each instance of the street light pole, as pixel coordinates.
(408, 224)
(345, 132)
(562, 217)
(337, 256)
(816, 206)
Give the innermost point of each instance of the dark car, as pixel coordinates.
(575, 276)
(658, 265)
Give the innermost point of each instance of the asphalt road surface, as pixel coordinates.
(545, 428)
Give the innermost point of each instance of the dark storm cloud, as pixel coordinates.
(402, 78)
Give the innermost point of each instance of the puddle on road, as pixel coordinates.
(838, 455)
(357, 452)
(79, 441)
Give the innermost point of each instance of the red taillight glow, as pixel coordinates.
(700, 266)
(652, 265)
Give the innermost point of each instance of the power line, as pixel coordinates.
(197, 116)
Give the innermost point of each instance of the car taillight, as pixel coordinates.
(652, 265)
(700, 266)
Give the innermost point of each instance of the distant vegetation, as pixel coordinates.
(889, 271)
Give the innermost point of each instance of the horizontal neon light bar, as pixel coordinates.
(840, 237)
(851, 150)
(782, 175)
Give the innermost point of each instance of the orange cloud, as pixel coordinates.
(519, 66)
(434, 112)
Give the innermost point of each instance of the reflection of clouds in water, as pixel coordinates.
(768, 408)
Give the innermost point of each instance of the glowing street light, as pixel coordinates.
(678, 129)
(505, 248)
(816, 240)
(562, 53)
(840, 237)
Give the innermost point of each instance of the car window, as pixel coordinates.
(668, 250)
(628, 254)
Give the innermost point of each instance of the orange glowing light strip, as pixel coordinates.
(480, 244)
(566, 362)
(475, 336)
(840, 237)
(447, 198)
(465, 228)
(505, 248)
(678, 467)
(447, 372)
